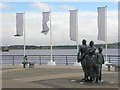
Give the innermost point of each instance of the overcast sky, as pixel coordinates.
(87, 26)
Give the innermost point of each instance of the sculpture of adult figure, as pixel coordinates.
(81, 57)
(90, 61)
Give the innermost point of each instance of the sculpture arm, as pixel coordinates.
(103, 59)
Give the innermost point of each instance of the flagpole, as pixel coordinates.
(76, 63)
(51, 61)
(77, 31)
(24, 32)
(51, 38)
(106, 34)
(103, 28)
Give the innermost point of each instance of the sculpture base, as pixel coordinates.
(51, 63)
(77, 64)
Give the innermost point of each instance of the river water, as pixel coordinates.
(55, 52)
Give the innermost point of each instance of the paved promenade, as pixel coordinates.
(44, 76)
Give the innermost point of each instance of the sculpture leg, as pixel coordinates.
(85, 77)
(100, 77)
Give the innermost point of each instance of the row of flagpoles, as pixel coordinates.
(102, 27)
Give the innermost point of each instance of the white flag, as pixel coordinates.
(44, 22)
(101, 23)
(73, 24)
(19, 24)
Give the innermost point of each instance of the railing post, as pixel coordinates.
(13, 60)
(40, 60)
(109, 60)
(66, 60)
(53, 58)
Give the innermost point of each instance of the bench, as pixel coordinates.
(31, 64)
(116, 66)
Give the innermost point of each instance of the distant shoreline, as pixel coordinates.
(34, 47)
(55, 49)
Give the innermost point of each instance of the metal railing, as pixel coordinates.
(43, 59)
(113, 59)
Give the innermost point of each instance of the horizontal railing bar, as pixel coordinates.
(59, 55)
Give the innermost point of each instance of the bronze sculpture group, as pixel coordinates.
(91, 61)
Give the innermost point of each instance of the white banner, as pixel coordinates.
(73, 24)
(102, 23)
(44, 22)
(19, 24)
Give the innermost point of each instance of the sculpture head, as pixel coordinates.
(91, 43)
(84, 42)
(100, 49)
